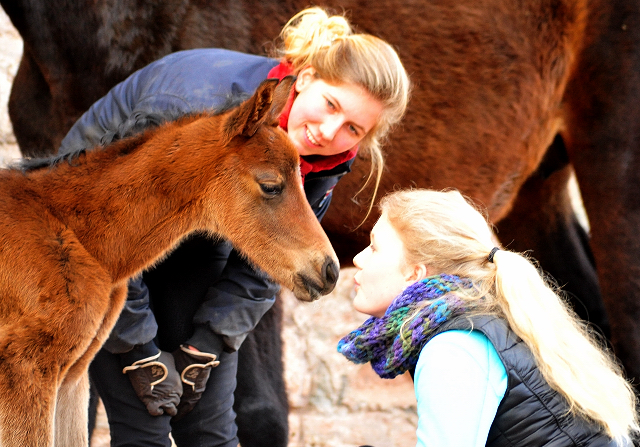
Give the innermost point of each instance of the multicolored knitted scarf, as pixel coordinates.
(393, 343)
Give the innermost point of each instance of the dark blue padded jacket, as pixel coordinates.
(230, 302)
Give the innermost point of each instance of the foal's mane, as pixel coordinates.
(133, 131)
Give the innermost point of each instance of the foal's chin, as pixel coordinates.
(305, 290)
(310, 288)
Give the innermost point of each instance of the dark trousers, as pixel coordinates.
(176, 288)
(210, 423)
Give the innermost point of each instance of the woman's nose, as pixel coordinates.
(330, 127)
(357, 258)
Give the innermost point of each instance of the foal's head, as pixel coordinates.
(258, 201)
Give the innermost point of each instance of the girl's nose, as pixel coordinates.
(357, 258)
(330, 127)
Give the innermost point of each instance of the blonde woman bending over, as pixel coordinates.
(497, 357)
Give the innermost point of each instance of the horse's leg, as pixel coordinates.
(27, 405)
(603, 142)
(613, 207)
(71, 412)
(35, 126)
(260, 397)
(73, 397)
(543, 223)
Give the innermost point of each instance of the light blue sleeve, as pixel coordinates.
(459, 383)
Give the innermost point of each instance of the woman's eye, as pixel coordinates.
(330, 104)
(271, 190)
(353, 130)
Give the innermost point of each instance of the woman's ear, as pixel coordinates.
(304, 78)
(418, 272)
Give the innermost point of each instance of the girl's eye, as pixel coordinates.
(353, 130)
(330, 104)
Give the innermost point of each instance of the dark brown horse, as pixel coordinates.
(510, 100)
(68, 229)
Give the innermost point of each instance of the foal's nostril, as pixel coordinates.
(330, 271)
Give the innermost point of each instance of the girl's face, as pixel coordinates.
(328, 119)
(382, 270)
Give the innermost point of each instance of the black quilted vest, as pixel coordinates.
(531, 414)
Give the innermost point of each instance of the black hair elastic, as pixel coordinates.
(493, 252)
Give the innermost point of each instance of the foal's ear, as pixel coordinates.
(279, 101)
(264, 107)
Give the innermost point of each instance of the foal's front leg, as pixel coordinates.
(71, 423)
(27, 406)
(73, 396)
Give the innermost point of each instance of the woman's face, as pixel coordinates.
(328, 119)
(382, 270)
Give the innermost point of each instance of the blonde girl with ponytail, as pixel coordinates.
(498, 356)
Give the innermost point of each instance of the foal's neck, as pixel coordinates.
(129, 210)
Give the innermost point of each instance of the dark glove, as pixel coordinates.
(194, 367)
(157, 383)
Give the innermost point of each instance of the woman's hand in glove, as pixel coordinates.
(157, 383)
(194, 367)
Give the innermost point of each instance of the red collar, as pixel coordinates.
(309, 163)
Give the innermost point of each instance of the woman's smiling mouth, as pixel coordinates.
(310, 137)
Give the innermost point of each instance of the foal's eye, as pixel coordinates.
(271, 190)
